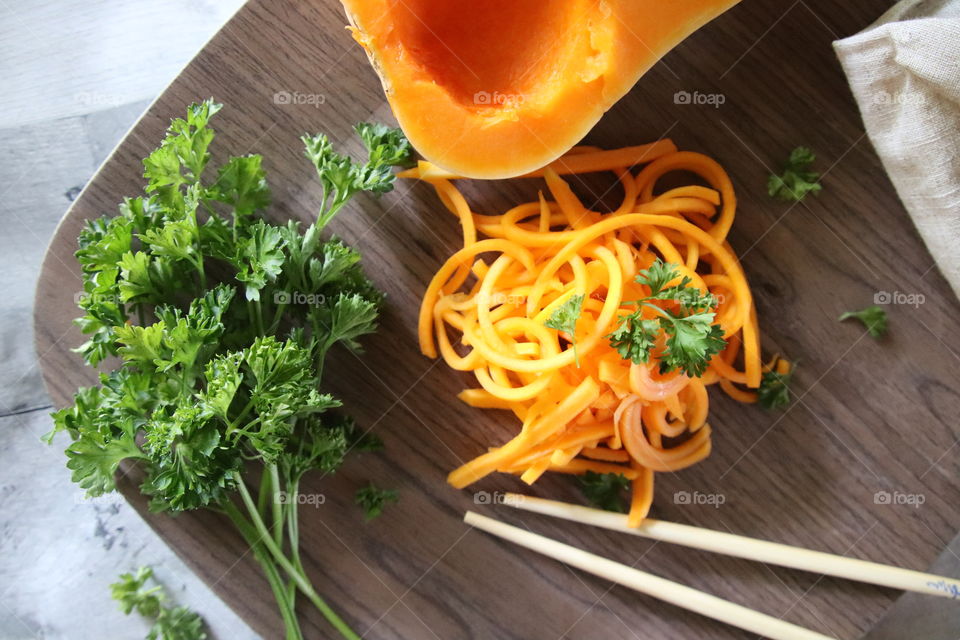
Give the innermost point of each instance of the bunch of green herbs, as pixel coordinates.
(220, 366)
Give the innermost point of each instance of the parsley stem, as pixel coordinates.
(293, 525)
(663, 313)
(265, 494)
(293, 528)
(271, 470)
(325, 218)
(277, 316)
(198, 262)
(250, 313)
(232, 426)
(323, 205)
(203, 274)
(284, 601)
(255, 314)
(302, 582)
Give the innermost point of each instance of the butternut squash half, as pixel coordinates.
(497, 88)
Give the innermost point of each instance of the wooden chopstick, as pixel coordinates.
(748, 548)
(660, 588)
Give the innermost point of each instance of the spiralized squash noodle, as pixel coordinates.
(607, 415)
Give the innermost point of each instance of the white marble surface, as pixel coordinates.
(76, 75)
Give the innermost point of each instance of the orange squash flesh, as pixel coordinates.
(498, 88)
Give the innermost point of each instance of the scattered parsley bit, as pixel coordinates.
(564, 318)
(373, 500)
(797, 180)
(605, 490)
(169, 623)
(691, 337)
(874, 318)
(774, 391)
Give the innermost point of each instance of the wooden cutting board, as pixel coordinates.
(870, 417)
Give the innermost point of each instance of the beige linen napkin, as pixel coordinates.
(904, 71)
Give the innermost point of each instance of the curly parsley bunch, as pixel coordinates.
(220, 362)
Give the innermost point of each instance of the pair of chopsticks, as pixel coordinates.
(707, 540)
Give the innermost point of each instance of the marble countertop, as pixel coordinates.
(76, 77)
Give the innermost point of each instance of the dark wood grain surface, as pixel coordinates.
(870, 416)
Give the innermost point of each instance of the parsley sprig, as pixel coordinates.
(683, 317)
(564, 318)
(342, 178)
(169, 622)
(874, 318)
(217, 374)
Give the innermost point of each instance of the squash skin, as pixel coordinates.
(588, 56)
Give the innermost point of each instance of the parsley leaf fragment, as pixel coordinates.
(774, 391)
(691, 342)
(874, 318)
(132, 594)
(797, 180)
(605, 490)
(635, 337)
(242, 184)
(657, 276)
(373, 500)
(564, 318)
